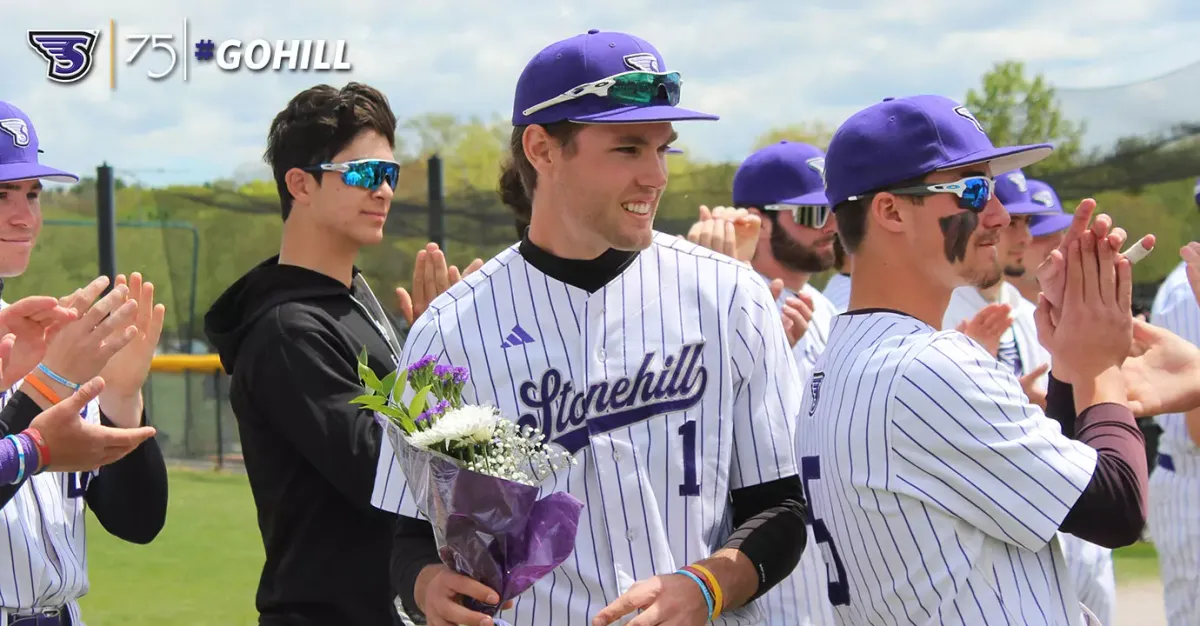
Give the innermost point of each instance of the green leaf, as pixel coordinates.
(388, 383)
(363, 399)
(370, 380)
(419, 401)
(397, 389)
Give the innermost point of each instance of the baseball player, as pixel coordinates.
(113, 336)
(1174, 519)
(783, 183)
(1046, 231)
(662, 366)
(837, 290)
(1017, 344)
(936, 490)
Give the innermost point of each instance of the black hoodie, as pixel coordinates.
(289, 338)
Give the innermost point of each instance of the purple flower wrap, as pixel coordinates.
(489, 529)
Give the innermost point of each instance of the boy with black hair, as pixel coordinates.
(289, 333)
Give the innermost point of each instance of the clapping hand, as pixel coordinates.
(125, 372)
(431, 277)
(988, 326)
(26, 326)
(730, 231)
(77, 445)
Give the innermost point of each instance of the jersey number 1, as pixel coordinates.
(690, 486)
(839, 587)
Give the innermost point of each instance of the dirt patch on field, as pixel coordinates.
(1140, 604)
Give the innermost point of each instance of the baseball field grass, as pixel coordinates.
(203, 568)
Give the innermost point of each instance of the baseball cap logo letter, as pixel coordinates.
(68, 53)
(962, 110)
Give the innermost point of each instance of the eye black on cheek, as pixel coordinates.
(956, 234)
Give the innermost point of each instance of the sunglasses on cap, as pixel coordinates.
(974, 192)
(812, 216)
(363, 173)
(635, 87)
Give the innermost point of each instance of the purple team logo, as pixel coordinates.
(68, 53)
(815, 388)
(567, 416)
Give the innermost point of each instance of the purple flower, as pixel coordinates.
(440, 408)
(422, 363)
(443, 371)
(460, 375)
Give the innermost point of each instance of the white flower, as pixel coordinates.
(467, 425)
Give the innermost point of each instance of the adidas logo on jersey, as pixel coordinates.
(567, 416)
(518, 337)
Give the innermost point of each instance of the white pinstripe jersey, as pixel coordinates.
(936, 491)
(802, 599)
(45, 535)
(667, 384)
(837, 291)
(965, 302)
(1175, 309)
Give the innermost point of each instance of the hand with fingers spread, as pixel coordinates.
(1162, 373)
(1034, 391)
(82, 348)
(988, 326)
(77, 445)
(26, 326)
(797, 313)
(439, 592)
(431, 278)
(126, 371)
(1094, 331)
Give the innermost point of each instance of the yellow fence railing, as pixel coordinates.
(203, 363)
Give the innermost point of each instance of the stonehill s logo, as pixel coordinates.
(68, 53)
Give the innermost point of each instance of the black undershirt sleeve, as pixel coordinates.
(129, 497)
(16, 416)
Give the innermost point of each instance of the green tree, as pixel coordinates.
(816, 133)
(1016, 109)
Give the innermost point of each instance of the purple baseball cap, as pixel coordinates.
(1056, 219)
(19, 149)
(1012, 188)
(1197, 190)
(674, 151)
(589, 58)
(782, 173)
(904, 138)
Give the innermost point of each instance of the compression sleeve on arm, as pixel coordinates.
(18, 413)
(413, 549)
(770, 528)
(129, 497)
(1111, 511)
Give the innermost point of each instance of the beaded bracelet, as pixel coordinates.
(703, 589)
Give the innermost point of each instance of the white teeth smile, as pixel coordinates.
(640, 208)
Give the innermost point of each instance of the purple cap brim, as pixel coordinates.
(26, 171)
(643, 114)
(1028, 208)
(812, 198)
(1051, 224)
(1004, 159)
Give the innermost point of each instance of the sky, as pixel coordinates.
(758, 65)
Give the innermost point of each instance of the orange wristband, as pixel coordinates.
(43, 389)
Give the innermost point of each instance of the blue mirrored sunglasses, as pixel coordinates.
(364, 173)
(974, 192)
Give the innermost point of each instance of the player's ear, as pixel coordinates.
(888, 214)
(539, 147)
(299, 183)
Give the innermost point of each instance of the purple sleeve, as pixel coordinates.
(1111, 511)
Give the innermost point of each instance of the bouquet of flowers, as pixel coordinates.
(474, 475)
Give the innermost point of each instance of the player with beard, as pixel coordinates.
(1046, 233)
(784, 184)
(994, 313)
